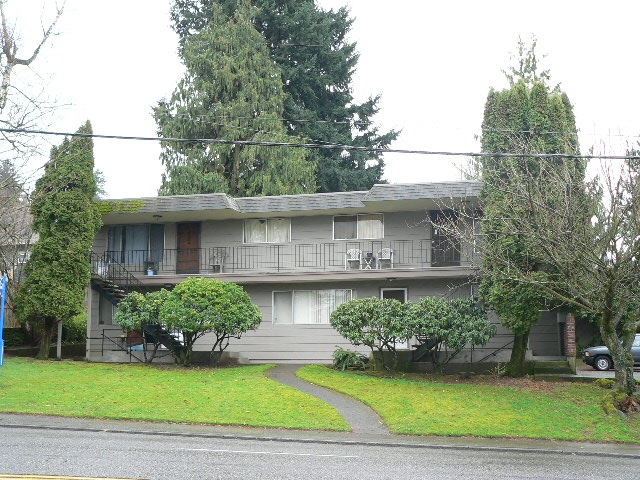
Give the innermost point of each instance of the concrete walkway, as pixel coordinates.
(359, 416)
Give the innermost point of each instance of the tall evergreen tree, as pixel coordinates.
(231, 91)
(67, 219)
(317, 63)
(526, 118)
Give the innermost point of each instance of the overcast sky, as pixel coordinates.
(432, 62)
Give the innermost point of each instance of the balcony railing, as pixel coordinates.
(274, 258)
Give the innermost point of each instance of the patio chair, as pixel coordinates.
(353, 258)
(217, 259)
(385, 258)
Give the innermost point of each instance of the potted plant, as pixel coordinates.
(151, 267)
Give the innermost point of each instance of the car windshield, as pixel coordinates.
(636, 342)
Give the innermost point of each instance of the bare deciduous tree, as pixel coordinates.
(19, 107)
(22, 106)
(582, 239)
(16, 234)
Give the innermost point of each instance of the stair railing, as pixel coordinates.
(120, 341)
(495, 352)
(109, 270)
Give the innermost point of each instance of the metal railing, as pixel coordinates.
(273, 258)
(106, 268)
(115, 339)
(494, 351)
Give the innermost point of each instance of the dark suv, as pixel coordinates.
(600, 358)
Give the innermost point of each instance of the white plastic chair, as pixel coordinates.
(385, 257)
(353, 258)
(217, 260)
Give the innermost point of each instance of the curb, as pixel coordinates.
(394, 441)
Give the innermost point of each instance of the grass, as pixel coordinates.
(230, 396)
(528, 409)
(414, 404)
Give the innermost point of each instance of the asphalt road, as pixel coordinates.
(46, 445)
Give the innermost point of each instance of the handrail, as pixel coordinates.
(503, 347)
(110, 271)
(276, 257)
(118, 343)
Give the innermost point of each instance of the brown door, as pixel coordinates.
(188, 256)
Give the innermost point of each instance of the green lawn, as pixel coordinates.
(228, 396)
(245, 396)
(559, 411)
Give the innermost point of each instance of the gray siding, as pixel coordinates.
(545, 338)
(308, 343)
(312, 251)
(101, 240)
(221, 233)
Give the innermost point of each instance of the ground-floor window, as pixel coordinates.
(105, 311)
(307, 306)
(394, 293)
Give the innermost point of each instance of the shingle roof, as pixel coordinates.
(420, 191)
(293, 203)
(210, 201)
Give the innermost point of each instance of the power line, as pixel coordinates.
(220, 141)
(211, 117)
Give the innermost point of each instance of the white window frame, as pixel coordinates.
(399, 345)
(397, 289)
(293, 302)
(359, 235)
(266, 221)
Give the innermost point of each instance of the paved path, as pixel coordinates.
(359, 416)
(585, 371)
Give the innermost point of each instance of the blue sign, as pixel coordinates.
(3, 301)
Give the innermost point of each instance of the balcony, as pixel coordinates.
(291, 258)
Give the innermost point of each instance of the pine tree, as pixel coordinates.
(316, 61)
(66, 219)
(231, 91)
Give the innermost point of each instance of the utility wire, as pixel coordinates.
(321, 146)
(210, 117)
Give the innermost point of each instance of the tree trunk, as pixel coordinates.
(215, 357)
(378, 360)
(620, 349)
(235, 172)
(45, 338)
(516, 366)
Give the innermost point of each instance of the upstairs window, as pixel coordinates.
(136, 244)
(19, 266)
(348, 227)
(23, 257)
(267, 230)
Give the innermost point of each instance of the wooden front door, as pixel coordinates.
(188, 255)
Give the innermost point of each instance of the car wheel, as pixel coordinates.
(602, 363)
